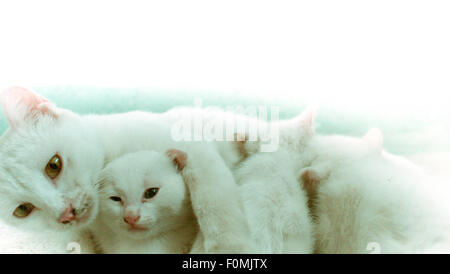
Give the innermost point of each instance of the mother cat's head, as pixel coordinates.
(49, 164)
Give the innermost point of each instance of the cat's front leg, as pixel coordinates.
(216, 204)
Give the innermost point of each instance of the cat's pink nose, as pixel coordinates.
(131, 220)
(68, 215)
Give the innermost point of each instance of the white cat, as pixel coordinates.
(145, 206)
(52, 157)
(275, 205)
(368, 200)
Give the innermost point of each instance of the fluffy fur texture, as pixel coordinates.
(274, 203)
(39, 130)
(166, 222)
(276, 215)
(367, 197)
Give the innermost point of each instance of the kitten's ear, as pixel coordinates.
(178, 157)
(303, 124)
(310, 180)
(374, 139)
(306, 119)
(21, 105)
(104, 177)
(244, 146)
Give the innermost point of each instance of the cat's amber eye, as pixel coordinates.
(151, 192)
(23, 210)
(54, 167)
(116, 198)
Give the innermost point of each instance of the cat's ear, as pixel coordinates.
(178, 157)
(21, 105)
(104, 177)
(310, 180)
(244, 146)
(306, 119)
(303, 124)
(374, 139)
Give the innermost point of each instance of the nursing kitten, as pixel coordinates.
(274, 203)
(369, 200)
(145, 205)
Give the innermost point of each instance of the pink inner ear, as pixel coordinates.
(179, 158)
(374, 138)
(307, 117)
(18, 102)
(23, 96)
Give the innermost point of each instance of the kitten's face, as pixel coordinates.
(49, 165)
(143, 195)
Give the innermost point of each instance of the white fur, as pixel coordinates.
(168, 219)
(367, 195)
(274, 203)
(86, 143)
(219, 210)
(276, 215)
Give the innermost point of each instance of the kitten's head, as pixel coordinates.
(143, 194)
(49, 164)
(294, 134)
(297, 131)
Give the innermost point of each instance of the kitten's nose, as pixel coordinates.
(131, 219)
(68, 215)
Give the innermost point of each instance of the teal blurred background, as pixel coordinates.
(409, 132)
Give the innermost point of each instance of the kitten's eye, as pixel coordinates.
(54, 167)
(151, 192)
(23, 210)
(116, 198)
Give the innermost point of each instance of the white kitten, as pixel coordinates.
(144, 206)
(274, 203)
(275, 206)
(370, 200)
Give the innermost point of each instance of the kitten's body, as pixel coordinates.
(369, 200)
(269, 193)
(274, 203)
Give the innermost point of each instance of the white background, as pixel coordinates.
(366, 54)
